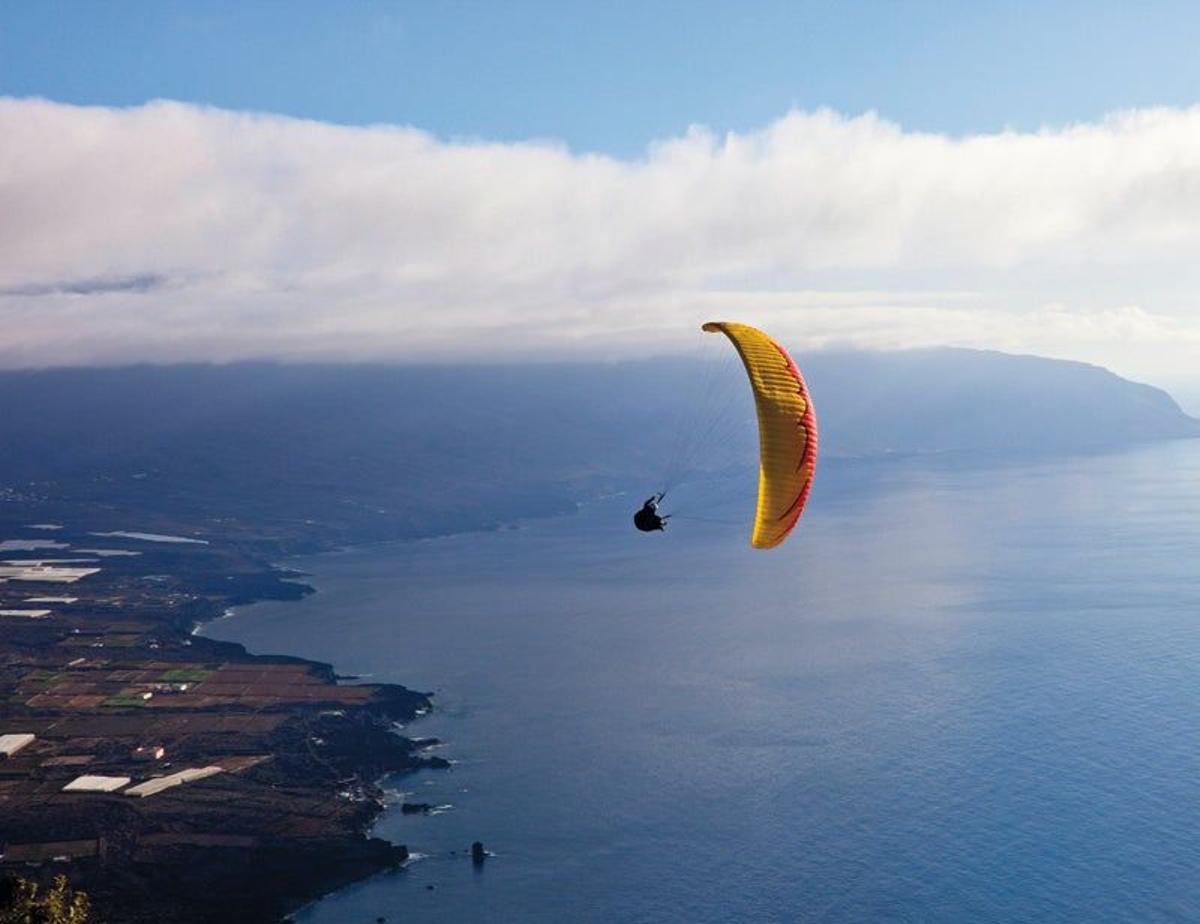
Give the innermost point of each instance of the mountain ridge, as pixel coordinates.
(366, 452)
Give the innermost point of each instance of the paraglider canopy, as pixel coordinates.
(787, 431)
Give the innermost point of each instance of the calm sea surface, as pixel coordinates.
(960, 693)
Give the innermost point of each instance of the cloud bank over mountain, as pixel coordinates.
(170, 231)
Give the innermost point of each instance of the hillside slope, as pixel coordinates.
(371, 451)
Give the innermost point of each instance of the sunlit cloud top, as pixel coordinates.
(172, 232)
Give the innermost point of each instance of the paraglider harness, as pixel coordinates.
(648, 519)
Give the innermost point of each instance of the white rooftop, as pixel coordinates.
(148, 537)
(96, 784)
(42, 571)
(30, 545)
(159, 783)
(10, 744)
(49, 562)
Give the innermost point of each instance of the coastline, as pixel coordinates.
(302, 755)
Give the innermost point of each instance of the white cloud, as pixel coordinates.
(170, 231)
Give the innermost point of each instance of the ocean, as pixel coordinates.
(963, 691)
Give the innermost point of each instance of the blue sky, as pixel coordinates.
(610, 76)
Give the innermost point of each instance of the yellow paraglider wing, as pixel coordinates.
(787, 431)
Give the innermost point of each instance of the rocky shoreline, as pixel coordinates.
(117, 673)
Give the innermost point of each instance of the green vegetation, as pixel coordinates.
(185, 675)
(24, 902)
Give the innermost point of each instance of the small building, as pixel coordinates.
(10, 744)
(149, 752)
(165, 687)
(88, 783)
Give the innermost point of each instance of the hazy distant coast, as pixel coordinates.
(304, 457)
